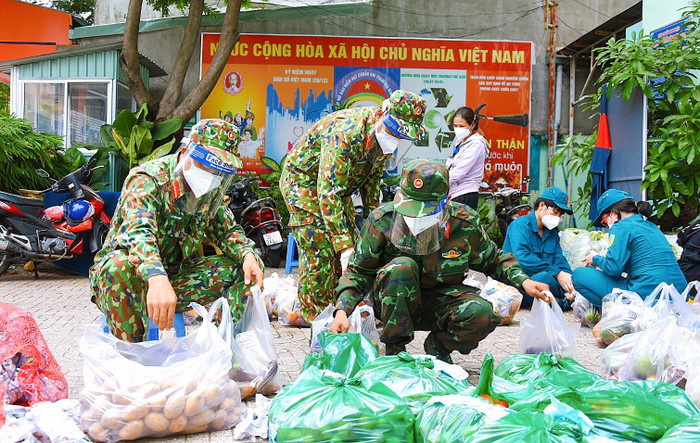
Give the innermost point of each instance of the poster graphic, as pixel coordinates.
(275, 87)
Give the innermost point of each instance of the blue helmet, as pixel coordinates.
(609, 198)
(78, 211)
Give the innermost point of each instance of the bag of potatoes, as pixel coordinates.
(172, 386)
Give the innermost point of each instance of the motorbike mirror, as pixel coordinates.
(484, 185)
(42, 173)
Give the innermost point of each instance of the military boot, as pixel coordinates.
(433, 347)
(393, 349)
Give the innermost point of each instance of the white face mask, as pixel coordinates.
(201, 181)
(550, 221)
(461, 134)
(388, 143)
(419, 224)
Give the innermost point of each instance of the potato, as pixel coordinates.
(203, 418)
(190, 386)
(121, 398)
(228, 404)
(174, 406)
(220, 421)
(213, 396)
(194, 405)
(92, 414)
(113, 419)
(135, 411)
(156, 402)
(132, 430)
(177, 424)
(156, 422)
(98, 432)
(144, 392)
(195, 430)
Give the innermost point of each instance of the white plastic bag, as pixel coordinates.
(546, 330)
(584, 311)
(666, 301)
(274, 286)
(322, 322)
(621, 310)
(505, 299)
(254, 361)
(289, 307)
(156, 388)
(692, 385)
(362, 321)
(576, 244)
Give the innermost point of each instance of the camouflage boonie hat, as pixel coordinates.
(423, 190)
(407, 110)
(219, 137)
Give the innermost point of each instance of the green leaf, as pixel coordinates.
(676, 209)
(123, 123)
(143, 140)
(161, 151)
(166, 128)
(270, 163)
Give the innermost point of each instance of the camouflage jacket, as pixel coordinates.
(465, 246)
(336, 157)
(149, 223)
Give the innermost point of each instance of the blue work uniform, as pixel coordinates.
(638, 248)
(540, 256)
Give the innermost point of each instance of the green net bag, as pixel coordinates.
(322, 406)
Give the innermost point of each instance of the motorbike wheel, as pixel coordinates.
(272, 257)
(4, 262)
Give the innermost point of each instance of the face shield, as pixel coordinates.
(207, 179)
(419, 235)
(392, 141)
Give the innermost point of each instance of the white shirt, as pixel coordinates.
(466, 168)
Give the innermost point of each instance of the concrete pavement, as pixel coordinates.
(60, 303)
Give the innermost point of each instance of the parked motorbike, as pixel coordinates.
(259, 219)
(29, 231)
(388, 193)
(511, 203)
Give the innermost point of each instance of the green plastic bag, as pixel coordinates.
(687, 431)
(494, 388)
(528, 368)
(327, 407)
(453, 418)
(412, 379)
(628, 410)
(530, 427)
(343, 353)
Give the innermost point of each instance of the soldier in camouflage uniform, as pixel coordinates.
(412, 256)
(343, 152)
(149, 266)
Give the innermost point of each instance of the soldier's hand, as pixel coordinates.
(564, 279)
(340, 322)
(251, 271)
(536, 289)
(161, 301)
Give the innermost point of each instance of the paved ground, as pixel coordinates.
(60, 303)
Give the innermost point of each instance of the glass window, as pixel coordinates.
(43, 106)
(87, 111)
(124, 99)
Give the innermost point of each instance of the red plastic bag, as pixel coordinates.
(38, 377)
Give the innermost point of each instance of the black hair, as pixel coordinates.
(549, 203)
(467, 114)
(629, 205)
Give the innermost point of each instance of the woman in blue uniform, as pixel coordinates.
(637, 247)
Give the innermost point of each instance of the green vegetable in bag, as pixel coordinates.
(453, 418)
(527, 368)
(627, 410)
(326, 407)
(344, 353)
(531, 427)
(412, 379)
(685, 431)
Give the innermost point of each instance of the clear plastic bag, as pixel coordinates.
(322, 322)
(274, 286)
(289, 307)
(621, 310)
(695, 303)
(505, 299)
(613, 358)
(362, 321)
(584, 311)
(156, 388)
(666, 301)
(254, 361)
(692, 385)
(546, 330)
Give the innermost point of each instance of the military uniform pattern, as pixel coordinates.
(426, 292)
(337, 156)
(152, 234)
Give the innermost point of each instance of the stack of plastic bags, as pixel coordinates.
(504, 299)
(576, 244)
(282, 301)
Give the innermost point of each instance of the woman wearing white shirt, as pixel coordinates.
(466, 166)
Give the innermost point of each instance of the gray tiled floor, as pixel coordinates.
(60, 303)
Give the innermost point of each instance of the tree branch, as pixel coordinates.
(182, 61)
(129, 58)
(229, 38)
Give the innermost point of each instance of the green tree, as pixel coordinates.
(171, 105)
(82, 8)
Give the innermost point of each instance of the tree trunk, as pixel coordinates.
(129, 58)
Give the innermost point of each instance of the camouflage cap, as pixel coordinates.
(423, 189)
(219, 137)
(407, 110)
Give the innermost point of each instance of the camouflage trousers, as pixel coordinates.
(456, 318)
(319, 268)
(120, 293)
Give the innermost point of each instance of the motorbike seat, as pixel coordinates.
(28, 205)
